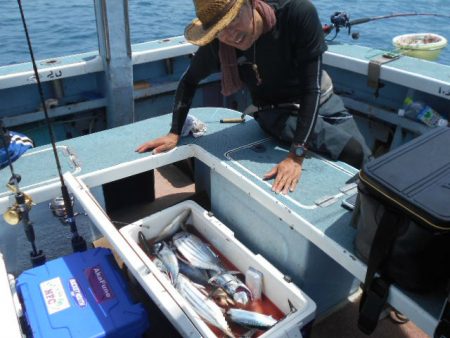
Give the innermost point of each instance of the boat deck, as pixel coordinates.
(240, 153)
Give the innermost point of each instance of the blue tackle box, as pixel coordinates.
(80, 295)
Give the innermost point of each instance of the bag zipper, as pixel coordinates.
(399, 203)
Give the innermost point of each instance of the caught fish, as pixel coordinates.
(161, 266)
(202, 305)
(174, 226)
(249, 334)
(251, 319)
(144, 243)
(233, 286)
(169, 259)
(221, 298)
(196, 252)
(198, 276)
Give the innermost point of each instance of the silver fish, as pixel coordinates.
(161, 266)
(169, 259)
(198, 276)
(175, 225)
(249, 334)
(221, 298)
(203, 305)
(144, 243)
(196, 252)
(233, 286)
(251, 319)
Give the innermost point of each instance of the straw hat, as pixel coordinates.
(212, 17)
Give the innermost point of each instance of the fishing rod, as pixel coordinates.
(78, 242)
(19, 212)
(342, 20)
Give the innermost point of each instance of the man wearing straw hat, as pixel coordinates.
(275, 49)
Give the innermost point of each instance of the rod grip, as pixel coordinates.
(359, 21)
(233, 120)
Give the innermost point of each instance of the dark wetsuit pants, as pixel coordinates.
(335, 133)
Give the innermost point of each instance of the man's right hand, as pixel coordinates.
(160, 144)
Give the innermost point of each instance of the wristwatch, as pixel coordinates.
(299, 150)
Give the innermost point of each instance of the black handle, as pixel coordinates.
(359, 21)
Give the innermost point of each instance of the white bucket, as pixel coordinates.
(426, 46)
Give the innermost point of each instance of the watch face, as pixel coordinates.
(300, 151)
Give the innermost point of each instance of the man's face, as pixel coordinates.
(240, 33)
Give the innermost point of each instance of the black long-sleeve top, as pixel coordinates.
(289, 63)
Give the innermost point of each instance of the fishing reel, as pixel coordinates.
(59, 209)
(340, 20)
(14, 214)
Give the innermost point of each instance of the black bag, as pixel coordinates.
(403, 221)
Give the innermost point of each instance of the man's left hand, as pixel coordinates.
(287, 174)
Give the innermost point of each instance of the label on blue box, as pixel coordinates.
(76, 293)
(55, 297)
(100, 287)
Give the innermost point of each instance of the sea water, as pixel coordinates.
(67, 27)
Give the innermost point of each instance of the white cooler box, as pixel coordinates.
(279, 291)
